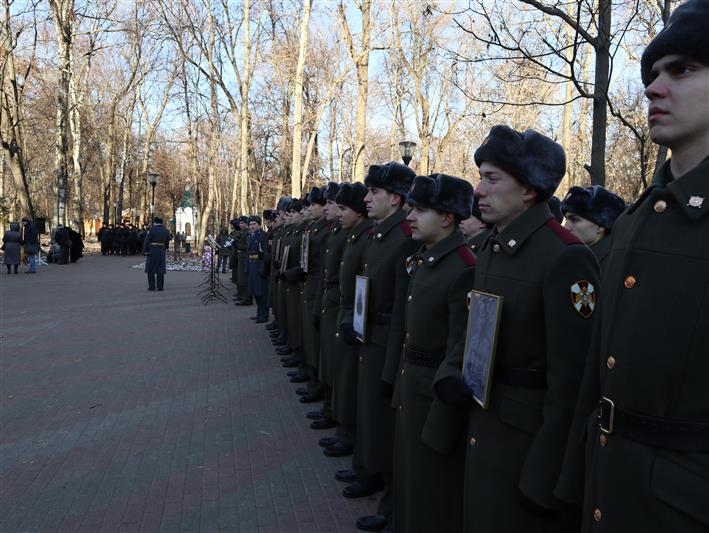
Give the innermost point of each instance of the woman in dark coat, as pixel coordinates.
(11, 247)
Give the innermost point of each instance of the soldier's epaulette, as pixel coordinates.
(467, 255)
(565, 235)
(404, 225)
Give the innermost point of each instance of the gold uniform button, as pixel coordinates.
(597, 514)
(496, 248)
(337, 335)
(473, 441)
(629, 282)
(401, 408)
(409, 297)
(604, 441)
(660, 206)
(402, 371)
(610, 362)
(360, 358)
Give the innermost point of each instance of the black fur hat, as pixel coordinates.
(283, 203)
(234, 222)
(295, 205)
(352, 195)
(686, 34)
(244, 219)
(444, 193)
(255, 218)
(269, 214)
(532, 158)
(331, 190)
(157, 220)
(317, 196)
(595, 203)
(305, 200)
(555, 207)
(394, 177)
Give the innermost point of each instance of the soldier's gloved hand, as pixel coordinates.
(281, 276)
(386, 389)
(260, 255)
(302, 276)
(316, 322)
(277, 264)
(454, 391)
(347, 334)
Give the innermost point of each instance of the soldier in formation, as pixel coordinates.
(590, 412)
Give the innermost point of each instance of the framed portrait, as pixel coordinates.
(359, 320)
(481, 343)
(277, 249)
(284, 261)
(304, 249)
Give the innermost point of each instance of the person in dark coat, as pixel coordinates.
(11, 247)
(76, 250)
(549, 284)
(155, 248)
(390, 245)
(223, 253)
(29, 239)
(255, 249)
(638, 457)
(474, 229)
(61, 237)
(102, 238)
(590, 213)
(244, 298)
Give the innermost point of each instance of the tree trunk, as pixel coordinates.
(296, 181)
(75, 95)
(245, 134)
(597, 169)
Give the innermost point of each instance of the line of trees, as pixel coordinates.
(243, 101)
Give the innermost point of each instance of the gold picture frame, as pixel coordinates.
(484, 314)
(304, 250)
(284, 260)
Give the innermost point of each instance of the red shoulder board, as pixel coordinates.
(370, 232)
(565, 235)
(404, 225)
(467, 255)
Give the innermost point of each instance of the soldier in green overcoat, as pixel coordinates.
(329, 302)
(590, 213)
(644, 405)
(548, 281)
(292, 285)
(390, 245)
(474, 229)
(429, 445)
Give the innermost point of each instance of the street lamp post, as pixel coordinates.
(406, 149)
(153, 180)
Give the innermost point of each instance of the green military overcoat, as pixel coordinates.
(515, 448)
(317, 233)
(650, 357)
(429, 445)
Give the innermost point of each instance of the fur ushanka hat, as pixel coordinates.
(594, 203)
(444, 193)
(331, 190)
(352, 195)
(393, 177)
(532, 158)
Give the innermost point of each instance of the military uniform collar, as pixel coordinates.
(691, 190)
(359, 229)
(513, 236)
(385, 226)
(320, 224)
(438, 251)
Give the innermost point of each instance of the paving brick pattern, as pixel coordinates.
(125, 410)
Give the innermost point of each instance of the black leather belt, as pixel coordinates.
(528, 378)
(653, 431)
(380, 319)
(253, 256)
(427, 359)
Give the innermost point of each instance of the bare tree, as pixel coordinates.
(298, 101)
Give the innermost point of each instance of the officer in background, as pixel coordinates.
(155, 248)
(549, 284)
(644, 405)
(276, 230)
(242, 280)
(233, 238)
(429, 441)
(474, 229)
(590, 213)
(256, 247)
(390, 245)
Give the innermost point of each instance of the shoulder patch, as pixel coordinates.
(404, 225)
(467, 255)
(565, 235)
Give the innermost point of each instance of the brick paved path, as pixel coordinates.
(128, 410)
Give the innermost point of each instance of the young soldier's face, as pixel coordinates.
(678, 114)
(331, 211)
(502, 197)
(588, 232)
(348, 217)
(305, 214)
(472, 226)
(316, 211)
(428, 225)
(253, 226)
(379, 203)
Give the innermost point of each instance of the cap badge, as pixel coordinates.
(511, 243)
(695, 201)
(583, 298)
(412, 263)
